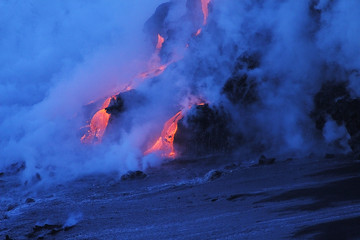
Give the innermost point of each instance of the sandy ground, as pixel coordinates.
(187, 199)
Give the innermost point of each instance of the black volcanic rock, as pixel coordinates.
(12, 206)
(41, 231)
(213, 174)
(156, 23)
(8, 238)
(205, 130)
(123, 101)
(327, 102)
(29, 200)
(247, 61)
(335, 101)
(14, 168)
(266, 161)
(133, 175)
(116, 105)
(240, 88)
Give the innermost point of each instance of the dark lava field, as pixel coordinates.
(207, 198)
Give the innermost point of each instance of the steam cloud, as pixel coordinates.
(57, 57)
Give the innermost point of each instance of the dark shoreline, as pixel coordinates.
(208, 199)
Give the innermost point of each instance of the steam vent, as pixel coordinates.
(180, 119)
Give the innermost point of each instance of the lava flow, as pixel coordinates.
(160, 42)
(166, 139)
(198, 32)
(100, 120)
(97, 125)
(153, 72)
(205, 9)
(164, 144)
(155, 68)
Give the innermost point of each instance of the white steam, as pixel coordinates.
(58, 56)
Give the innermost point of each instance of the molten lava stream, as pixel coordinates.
(97, 125)
(153, 72)
(198, 32)
(100, 120)
(155, 68)
(160, 42)
(164, 144)
(205, 9)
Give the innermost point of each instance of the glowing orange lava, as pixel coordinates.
(97, 125)
(205, 9)
(100, 120)
(160, 42)
(155, 66)
(198, 32)
(164, 144)
(153, 72)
